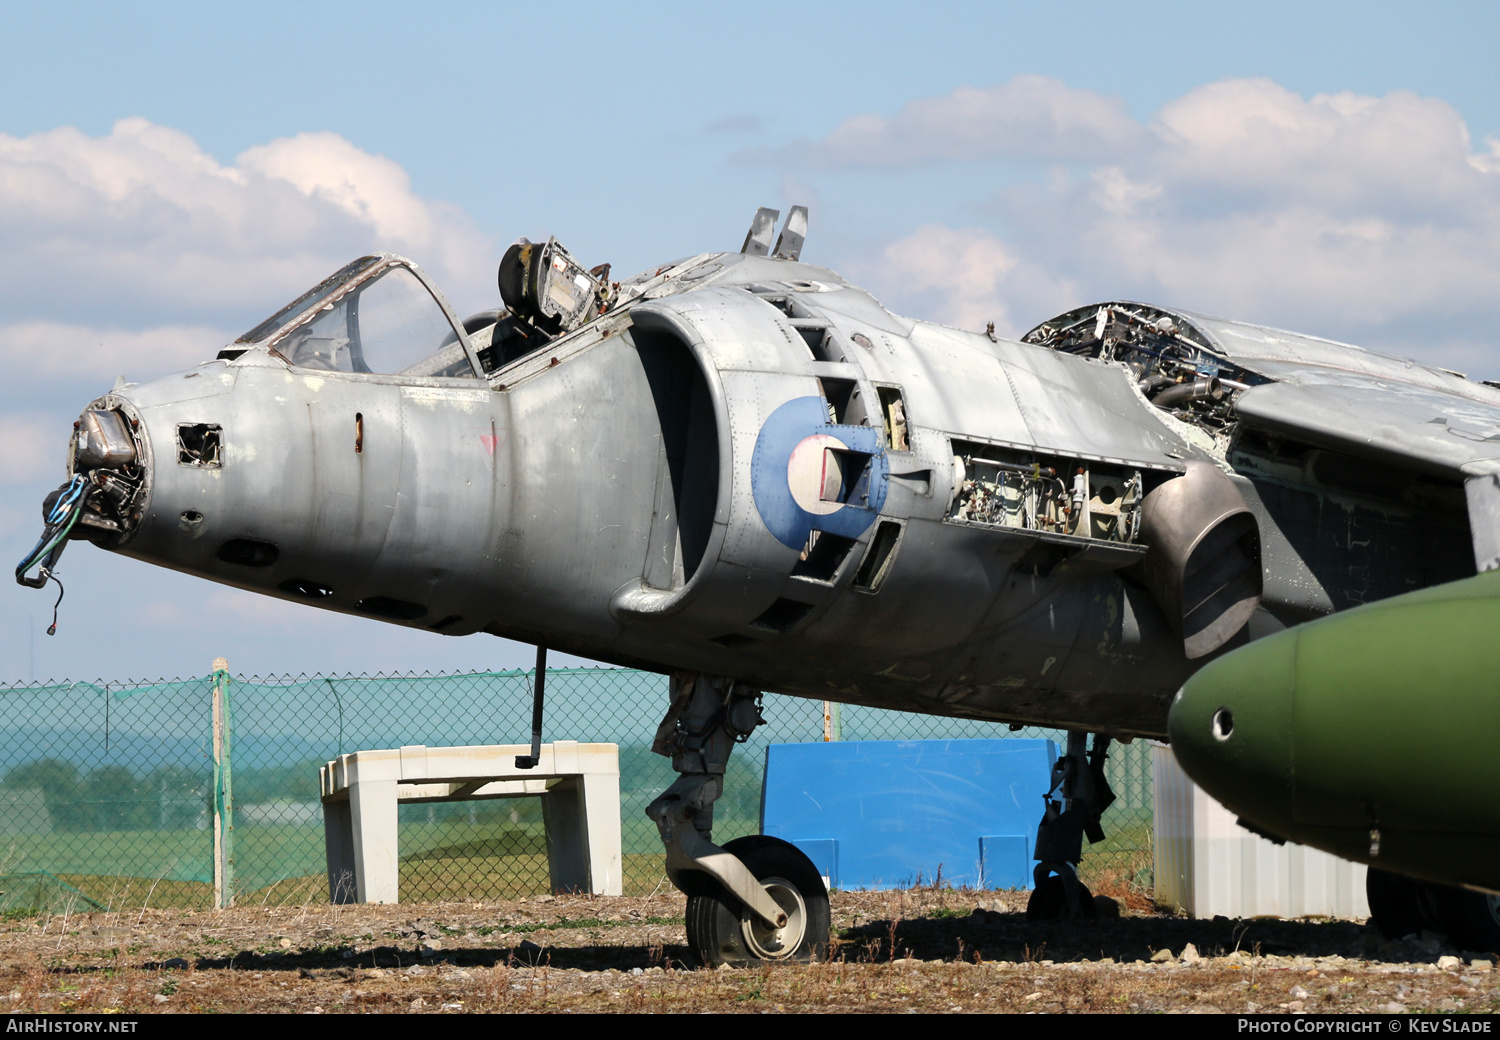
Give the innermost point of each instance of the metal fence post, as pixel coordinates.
(223, 790)
(833, 721)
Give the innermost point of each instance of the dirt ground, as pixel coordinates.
(954, 951)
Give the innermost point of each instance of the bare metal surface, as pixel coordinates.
(598, 492)
(758, 238)
(793, 234)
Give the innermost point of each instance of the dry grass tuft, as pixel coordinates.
(927, 949)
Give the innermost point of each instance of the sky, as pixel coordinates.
(170, 176)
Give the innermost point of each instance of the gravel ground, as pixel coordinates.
(953, 951)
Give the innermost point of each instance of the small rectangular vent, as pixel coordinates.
(819, 339)
(845, 477)
(823, 556)
(733, 640)
(838, 393)
(893, 409)
(876, 566)
(782, 615)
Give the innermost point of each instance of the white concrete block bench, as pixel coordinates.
(579, 785)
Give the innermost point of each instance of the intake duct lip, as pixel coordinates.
(1202, 562)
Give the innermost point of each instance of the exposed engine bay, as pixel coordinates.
(1173, 363)
(1011, 488)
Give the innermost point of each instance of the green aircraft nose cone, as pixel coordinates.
(1366, 734)
(1394, 703)
(1231, 729)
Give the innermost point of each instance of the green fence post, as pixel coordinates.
(223, 790)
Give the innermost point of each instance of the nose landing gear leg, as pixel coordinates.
(756, 898)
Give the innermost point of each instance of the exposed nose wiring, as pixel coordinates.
(58, 524)
(52, 628)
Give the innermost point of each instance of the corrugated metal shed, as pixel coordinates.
(1208, 865)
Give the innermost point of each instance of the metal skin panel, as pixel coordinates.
(583, 446)
(1023, 394)
(1326, 749)
(627, 493)
(1412, 427)
(447, 474)
(856, 310)
(747, 334)
(291, 477)
(947, 373)
(1294, 357)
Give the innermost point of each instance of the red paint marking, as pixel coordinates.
(493, 442)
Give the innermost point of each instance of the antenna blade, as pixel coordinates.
(758, 238)
(793, 234)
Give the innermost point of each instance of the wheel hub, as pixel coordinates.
(768, 943)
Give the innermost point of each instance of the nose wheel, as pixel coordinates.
(721, 930)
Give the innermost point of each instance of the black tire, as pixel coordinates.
(1049, 901)
(1402, 906)
(720, 930)
(1471, 919)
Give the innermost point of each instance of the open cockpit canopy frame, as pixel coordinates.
(451, 353)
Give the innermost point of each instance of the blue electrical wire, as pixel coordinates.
(59, 523)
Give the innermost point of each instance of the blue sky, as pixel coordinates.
(171, 175)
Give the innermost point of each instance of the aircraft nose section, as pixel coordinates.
(1231, 728)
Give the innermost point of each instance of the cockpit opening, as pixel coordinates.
(375, 315)
(1173, 362)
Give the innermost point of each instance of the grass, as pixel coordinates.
(446, 874)
(1122, 865)
(492, 858)
(425, 879)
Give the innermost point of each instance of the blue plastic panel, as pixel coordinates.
(1006, 860)
(824, 853)
(884, 813)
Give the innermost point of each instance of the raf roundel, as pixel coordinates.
(812, 475)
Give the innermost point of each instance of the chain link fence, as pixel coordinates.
(106, 788)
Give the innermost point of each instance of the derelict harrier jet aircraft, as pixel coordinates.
(744, 471)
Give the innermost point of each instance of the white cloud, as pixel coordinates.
(964, 277)
(140, 227)
(50, 350)
(35, 446)
(1364, 218)
(233, 608)
(264, 611)
(1031, 116)
(375, 192)
(1402, 154)
(1488, 162)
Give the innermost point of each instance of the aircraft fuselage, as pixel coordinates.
(753, 469)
